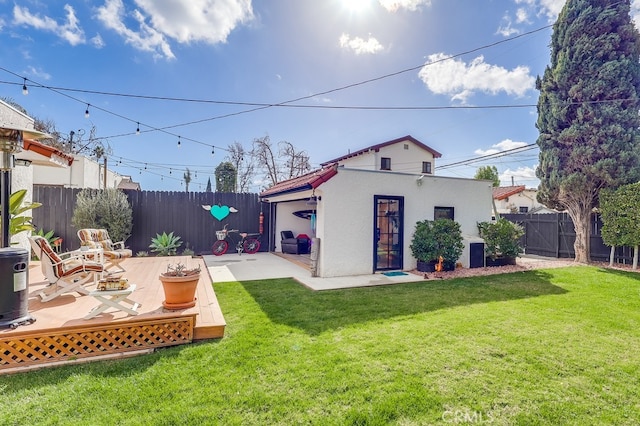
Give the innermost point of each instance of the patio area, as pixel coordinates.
(60, 333)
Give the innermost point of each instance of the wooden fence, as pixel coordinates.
(553, 235)
(156, 212)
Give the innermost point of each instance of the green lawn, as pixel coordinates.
(552, 347)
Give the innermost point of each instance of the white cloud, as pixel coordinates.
(411, 5)
(460, 80)
(38, 73)
(506, 28)
(185, 21)
(97, 41)
(69, 31)
(210, 21)
(504, 145)
(112, 14)
(359, 45)
(520, 175)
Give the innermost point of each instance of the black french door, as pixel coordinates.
(388, 231)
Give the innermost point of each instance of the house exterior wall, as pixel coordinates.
(407, 160)
(22, 178)
(526, 198)
(346, 214)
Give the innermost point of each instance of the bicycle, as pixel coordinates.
(248, 243)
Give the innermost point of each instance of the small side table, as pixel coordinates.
(117, 299)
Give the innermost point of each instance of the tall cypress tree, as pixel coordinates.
(588, 110)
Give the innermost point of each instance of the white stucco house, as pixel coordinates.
(365, 204)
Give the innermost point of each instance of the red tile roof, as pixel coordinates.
(311, 180)
(377, 147)
(502, 192)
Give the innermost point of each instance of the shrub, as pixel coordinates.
(104, 209)
(501, 238)
(165, 244)
(441, 237)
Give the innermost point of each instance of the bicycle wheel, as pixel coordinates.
(220, 247)
(251, 245)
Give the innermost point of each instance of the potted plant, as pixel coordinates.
(165, 244)
(502, 241)
(179, 284)
(433, 239)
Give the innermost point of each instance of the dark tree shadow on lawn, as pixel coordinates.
(287, 302)
(626, 273)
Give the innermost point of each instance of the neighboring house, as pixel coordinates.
(515, 199)
(83, 173)
(406, 155)
(128, 183)
(364, 207)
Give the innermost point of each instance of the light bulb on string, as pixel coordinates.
(25, 90)
(86, 111)
(212, 151)
(178, 141)
(138, 129)
(145, 166)
(169, 171)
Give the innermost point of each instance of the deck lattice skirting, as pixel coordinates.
(46, 346)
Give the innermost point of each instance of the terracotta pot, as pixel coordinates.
(179, 292)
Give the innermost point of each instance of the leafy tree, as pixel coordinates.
(225, 177)
(588, 110)
(621, 219)
(488, 173)
(107, 209)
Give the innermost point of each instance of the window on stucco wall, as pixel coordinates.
(443, 213)
(385, 163)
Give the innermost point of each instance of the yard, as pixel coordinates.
(555, 346)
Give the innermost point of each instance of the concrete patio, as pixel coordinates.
(261, 266)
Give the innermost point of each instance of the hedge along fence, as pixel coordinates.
(156, 212)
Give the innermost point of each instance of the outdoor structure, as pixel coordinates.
(362, 208)
(516, 199)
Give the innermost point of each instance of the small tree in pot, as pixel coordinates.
(433, 239)
(502, 241)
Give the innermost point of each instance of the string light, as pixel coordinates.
(145, 166)
(86, 111)
(25, 90)
(212, 151)
(178, 141)
(138, 129)
(169, 171)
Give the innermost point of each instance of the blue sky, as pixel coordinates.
(449, 60)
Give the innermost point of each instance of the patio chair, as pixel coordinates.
(114, 253)
(66, 272)
(292, 245)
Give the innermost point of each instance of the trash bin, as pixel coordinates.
(14, 287)
(476, 255)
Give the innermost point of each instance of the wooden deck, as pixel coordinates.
(60, 334)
